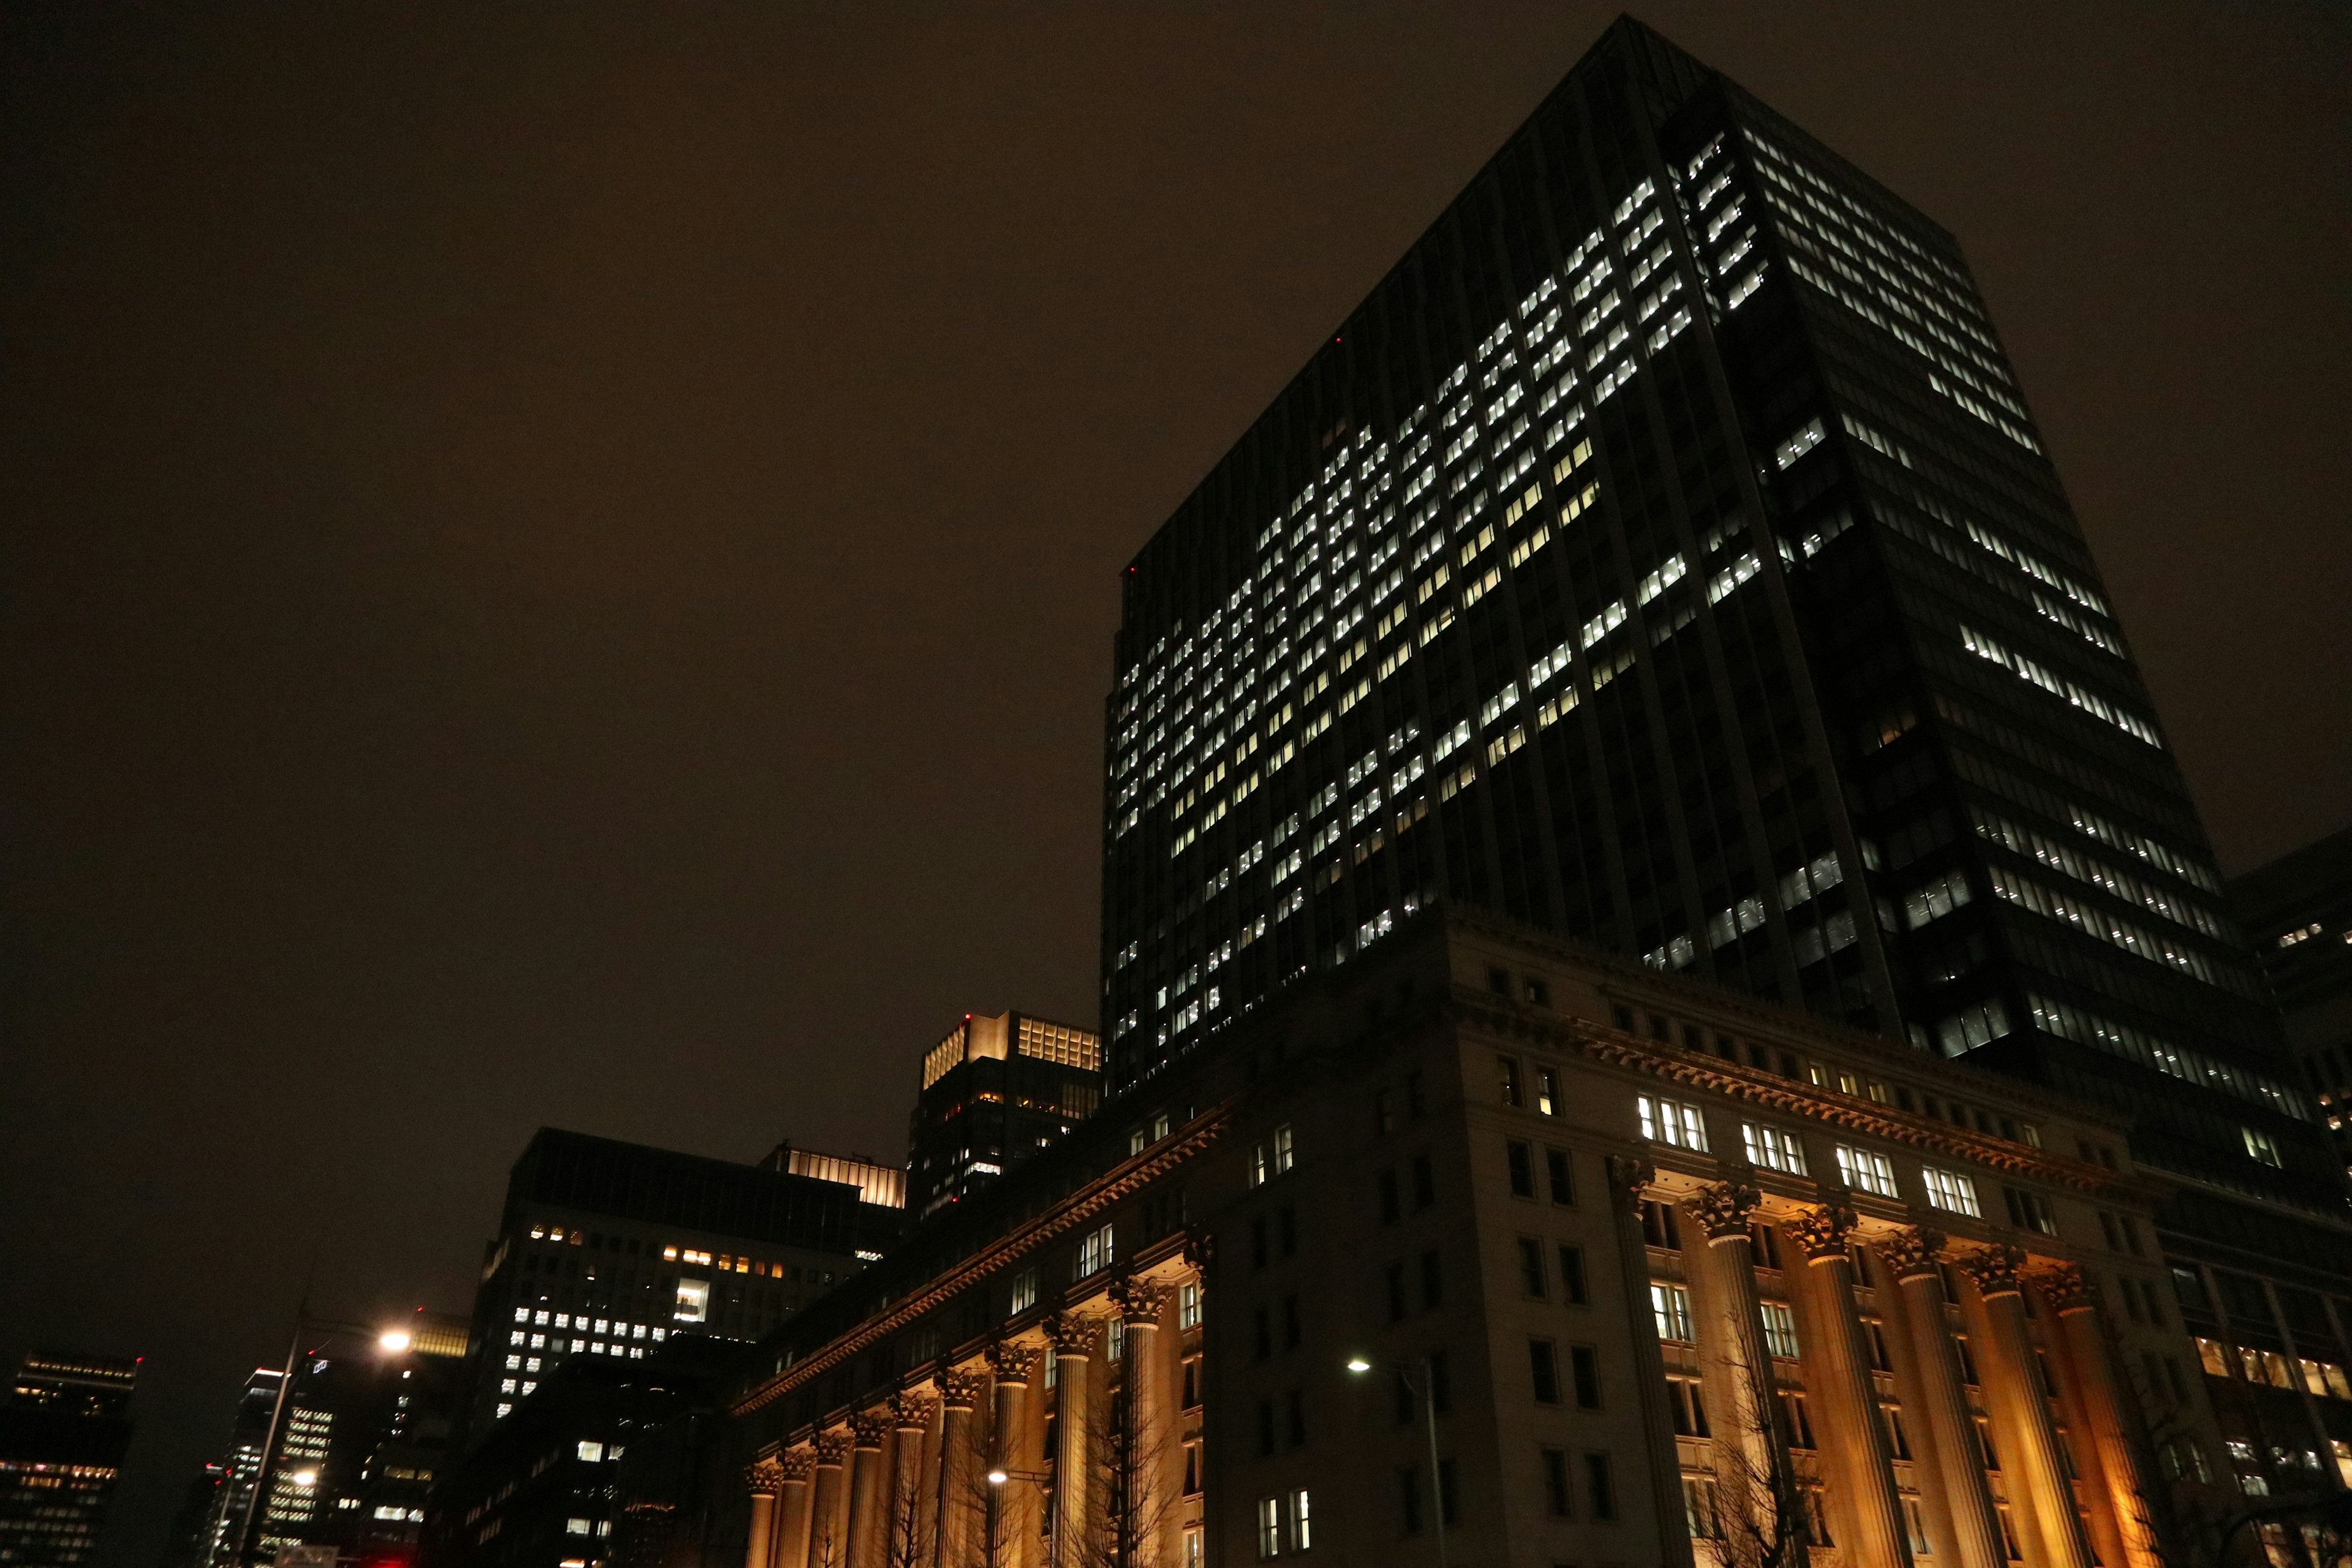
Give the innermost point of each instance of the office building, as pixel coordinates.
(63, 1432)
(995, 1091)
(1583, 1261)
(2298, 911)
(608, 1249)
(1664, 553)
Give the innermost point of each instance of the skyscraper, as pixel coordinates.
(995, 1091)
(1664, 554)
(2298, 910)
(63, 1432)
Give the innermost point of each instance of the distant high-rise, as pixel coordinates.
(995, 1091)
(1664, 554)
(63, 1432)
(2298, 910)
(608, 1249)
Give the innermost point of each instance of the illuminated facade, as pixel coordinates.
(995, 1091)
(1664, 554)
(1635, 1270)
(63, 1432)
(607, 1248)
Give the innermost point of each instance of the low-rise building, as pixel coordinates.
(1488, 1234)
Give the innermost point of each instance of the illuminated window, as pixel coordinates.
(1095, 1252)
(1868, 1171)
(1670, 1305)
(1951, 1190)
(1780, 1328)
(1773, 1148)
(591, 1452)
(1671, 1121)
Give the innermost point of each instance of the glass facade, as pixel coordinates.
(1665, 555)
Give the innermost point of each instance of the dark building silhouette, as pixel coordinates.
(607, 1248)
(1664, 554)
(2298, 910)
(995, 1091)
(63, 1432)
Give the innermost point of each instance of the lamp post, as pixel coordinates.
(392, 1342)
(998, 1475)
(1426, 1393)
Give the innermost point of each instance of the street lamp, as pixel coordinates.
(392, 1342)
(1424, 1391)
(997, 1476)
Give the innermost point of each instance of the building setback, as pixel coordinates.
(1627, 1263)
(995, 1091)
(1664, 554)
(607, 1248)
(2298, 910)
(63, 1432)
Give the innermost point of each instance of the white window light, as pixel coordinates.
(1671, 1121)
(1866, 1170)
(1952, 1192)
(1773, 1148)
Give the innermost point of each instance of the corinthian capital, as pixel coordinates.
(960, 1388)
(764, 1476)
(867, 1428)
(832, 1447)
(798, 1464)
(1012, 1361)
(912, 1412)
(1630, 1179)
(1994, 1268)
(1722, 1209)
(1820, 1233)
(1141, 1302)
(1912, 1253)
(1073, 1333)
(2069, 1288)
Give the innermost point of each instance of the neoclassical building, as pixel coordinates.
(1488, 1249)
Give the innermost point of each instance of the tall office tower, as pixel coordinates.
(608, 1249)
(2298, 910)
(1664, 553)
(995, 1091)
(63, 1432)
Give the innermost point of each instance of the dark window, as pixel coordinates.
(1507, 1070)
(1191, 1383)
(1441, 1384)
(1689, 1403)
(1258, 1242)
(1531, 1266)
(1412, 1093)
(1408, 1498)
(1554, 1471)
(1658, 1225)
(1290, 1336)
(1424, 1182)
(1396, 1292)
(1264, 1325)
(1563, 1176)
(1622, 1016)
(1584, 1368)
(1543, 1369)
(1449, 1496)
(1404, 1405)
(1265, 1426)
(1571, 1274)
(1433, 1282)
(1286, 1225)
(1384, 1111)
(1298, 1419)
(1599, 1485)
(1539, 993)
(1523, 1169)
(1498, 981)
(1391, 1206)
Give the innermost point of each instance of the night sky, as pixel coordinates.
(558, 566)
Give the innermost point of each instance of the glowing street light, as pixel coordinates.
(1426, 1389)
(304, 1478)
(394, 1340)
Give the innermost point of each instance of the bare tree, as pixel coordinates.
(1768, 1522)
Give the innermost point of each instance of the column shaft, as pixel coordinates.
(828, 1546)
(790, 1549)
(957, 1503)
(1752, 1461)
(1014, 1541)
(763, 1515)
(1075, 1527)
(1839, 1373)
(2013, 1378)
(1951, 1425)
(2127, 1485)
(867, 1512)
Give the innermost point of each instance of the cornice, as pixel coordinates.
(1121, 1182)
(1579, 1036)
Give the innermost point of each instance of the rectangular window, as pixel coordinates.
(1024, 1290)
(1865, 1170)
(1297, 1414)
(1671, 1121)
(1269, 1527)
(1408, 1497)
(1670, 1305)
(1532, 1278)
(1600, 1485)
(1095, 1252)
(1424, 1182)
(1396, 1292)
(1796, 1420)
(1562, 1176)
(1507, 1070)
(1523, 1168)
(1554, 1475)
(1432, 1279)
(2029, 1211)
(1688, 1403)
(1449, 1495)
(1390, 1208)
(1780, 1328)
(1265, 1428)
(1701, 1515)
(1192, 1558)
(1571, 1274)
(1548, 1091)
(1543, 1368)
(1302, 1515)
(1772, 1148)
(1584, 1371)
(1188, 1306)
(1952, 1191)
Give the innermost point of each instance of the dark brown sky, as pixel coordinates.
(558, 566)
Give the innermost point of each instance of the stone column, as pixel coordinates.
(1016, 1499)
(908, 1517)
(1074, 1461)
(1911, 1256)
(2014, 1380)
(829, 1544)
(1860, 1452)
(959, 1503)
(790, 1550)
(1629, 1187)
(765, 1477)
(867, 1522)
(1752, 1459)
(1153, 1512)
(2128, 1490)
